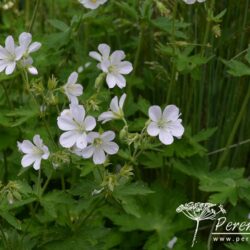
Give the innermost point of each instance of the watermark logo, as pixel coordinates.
(200, 211)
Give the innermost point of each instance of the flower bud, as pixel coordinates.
(99, 81)
(52, 83)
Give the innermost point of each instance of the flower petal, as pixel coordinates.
(26, 147)
(106, 116)
(72, 78)
(104, 50)
(65, 123)
(87, 152)
(114, 106)
(82, 141)
(155, 113)
(117, 56)
(10, 68)
(120, 81)
(28, 159)
(122, 100)
(90, 123)
(153, 129)
(165, 137)
(110, 148)
(125, 67)
(171, 113)
(68, 139)
(108, 136)
(95, 55)
(37, 164)
(25, 39)
(10, 45)
(99, 156)
(111, 80)
(34, 47)
(78, 112)
(176, 128)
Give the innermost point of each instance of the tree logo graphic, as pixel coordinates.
(200, 211)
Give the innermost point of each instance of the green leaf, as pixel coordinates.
(127, 9)
(237, 68)
(11, 219)
(60, 25)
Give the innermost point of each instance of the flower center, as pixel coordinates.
(38, 151)
(111, 69)
(97, 142)
(161, 123)
(93, 1)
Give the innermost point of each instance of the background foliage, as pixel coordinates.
(196, 57)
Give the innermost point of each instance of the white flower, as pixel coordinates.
(100, 145)
(76, 125)
(10, 55)
(34, 153)
(73, 89)
(25, 41)
(92, 4)
(112, 65)
(166, 124)
(193, 1)
(115, 112)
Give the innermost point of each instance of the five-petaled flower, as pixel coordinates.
(76, 125)
(99, 146)
(193, 1)
(34, 152)
(113, 65)
(10, 55)
(166, 124)
(116, 110)
(92, 4)
(72, 89)
(25, 41)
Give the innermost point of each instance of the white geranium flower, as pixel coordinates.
(116, 110)
(193, 1)
(166, 124)
(10, 55)
(76, 125)
(92, 4)
(25, 41)
(34, 152)
(112, 65)
(100, 145)
(73, 89)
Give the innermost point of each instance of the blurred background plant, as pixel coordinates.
(194, 56)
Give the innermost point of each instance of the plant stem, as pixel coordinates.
(34, 16)
(196, 231)
(234, 129)
(5, 241)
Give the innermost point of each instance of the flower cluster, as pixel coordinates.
(112, 65)
(92, 4)
(77, 127)
(13, 54)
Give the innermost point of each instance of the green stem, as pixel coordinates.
(7, 95)
(5, 241)
(34, 16)
(234, 129)
(139, 48)
(173, 73)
